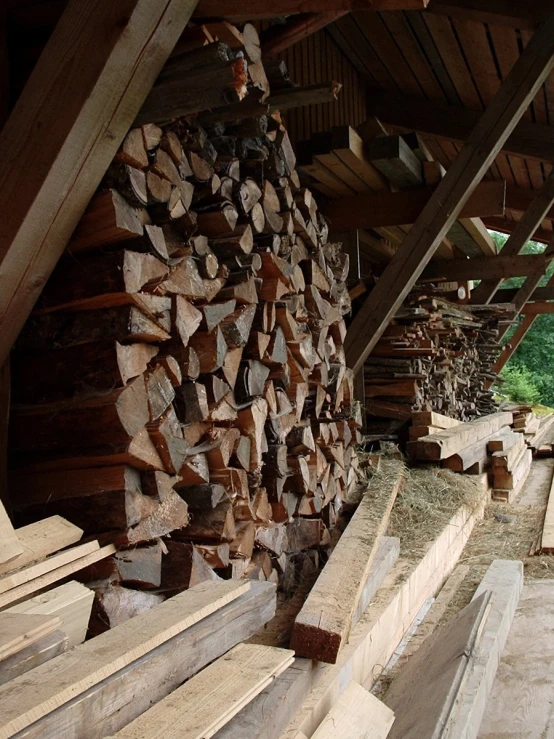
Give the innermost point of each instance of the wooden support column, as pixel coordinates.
(84, 93)
(279, 38)
(515, 341)
(486, 140)
(526, 227)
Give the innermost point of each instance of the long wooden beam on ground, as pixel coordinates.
(256, 10)
(79, 102)
(356, 715)
(451, 194)
(529, 140)
(526, 227)
(498, 12)
(399, 208)
(485, 268)
(547, 538)
(325, 619)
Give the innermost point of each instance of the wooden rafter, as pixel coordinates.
(278, 38)
(451, 194)
(398, 208)
(503, 225)
(256, 9)
(524, 230)
(498, 12)
(515, 341)
(64, 131)
(531, 140)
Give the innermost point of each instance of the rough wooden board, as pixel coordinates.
(506, 459)
(504, 578)
(521, 703)
(18, 631)
(430, 418)
(39, 583)
(547, 539)
(271, 711)
(424, 691)
(451, 441)
(77, 105)
(210, 699)
(375, 638)
(25, 575)
(36, 654)
(324, 621)
(10, 548)
(356, 715)
(41, 539)
(116, 701)
(72, 602)
(512, 480)
(27, 699)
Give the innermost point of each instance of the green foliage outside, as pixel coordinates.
(529, 374)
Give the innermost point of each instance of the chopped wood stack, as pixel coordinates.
(192, 375)
(435, 355)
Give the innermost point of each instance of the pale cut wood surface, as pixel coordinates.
(20, 577)
(451, 441)
(547, 540)
(356, 715)
(37, 653)
(72, 602)
(521, 704)
(41, 539)
(110, 705)
(504, 578)
(423, 693)
(210, 699)
(22, 591)
(10, 548)
(77, 105)
(29, 697)
(18, 631)
(431, 418)
(326, 616)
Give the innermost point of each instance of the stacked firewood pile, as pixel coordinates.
(181, 388)
(436, 356)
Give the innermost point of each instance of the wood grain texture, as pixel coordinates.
(18, 631)
(10, 548)
(325, 620)
(82, 96)
(547, 539)
(41, 539)
(210, 699)
(356, 715)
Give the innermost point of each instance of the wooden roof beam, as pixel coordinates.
(503, 225)
(278, 38)
(500, 267)
(454, 190)
(524, 230)
(515, 341)
(79, 102)
(399, 208)
(507, 294)
(530, 140)
(257, 10)
(525, 16)
(538, 308)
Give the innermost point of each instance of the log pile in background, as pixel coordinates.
(181, 388)
(436, 356)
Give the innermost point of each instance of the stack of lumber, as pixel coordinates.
(435, 355)
(36, 626)
(193, 406)
(488, 444)
(106, 683)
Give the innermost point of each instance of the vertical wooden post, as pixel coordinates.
(453, 191)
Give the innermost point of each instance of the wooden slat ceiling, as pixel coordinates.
(449, 61)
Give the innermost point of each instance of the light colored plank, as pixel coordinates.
(451, 194)
(77, 105)
(10, 548)
(431, 418)
(41, 539)
(547, 539)
(20, 577)
(210, 699)
(356, 715)
(520, 704)
(325, 619)
(35, 654)
(382, 627)
(72, 602)
(504, 578)
(423, 693)
(451, 441)
(18, 631)
(27, 699)
(39, 583)
(113, 703)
